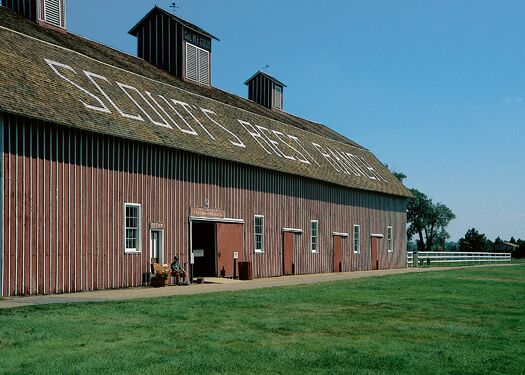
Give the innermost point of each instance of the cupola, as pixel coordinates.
(266, 90)
(175, 45)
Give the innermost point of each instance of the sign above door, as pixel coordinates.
(206, 212)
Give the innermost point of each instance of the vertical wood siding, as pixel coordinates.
(159, 42)
(26, 8)
(64, 192)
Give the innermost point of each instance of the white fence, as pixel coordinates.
(456, 257)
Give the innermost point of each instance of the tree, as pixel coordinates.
(474, 241)
(520, 251)
(427, 220)
(399, 175)
(440, 240)
(498, 240)
(512, 240)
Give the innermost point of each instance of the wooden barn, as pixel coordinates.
(111, 161)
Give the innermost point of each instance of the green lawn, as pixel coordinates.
(469, 321)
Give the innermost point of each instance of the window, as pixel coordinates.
(197, 64)
(259, 233)
(53, 12)
(389, 245)
(357, 239)
(132, 227)
(314, 225)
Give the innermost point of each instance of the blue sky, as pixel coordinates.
(436, 89)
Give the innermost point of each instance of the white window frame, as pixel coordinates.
(358, 250)
(316, 250)
(197, 68)
(138, 249)
(389, 239)
(261, 249)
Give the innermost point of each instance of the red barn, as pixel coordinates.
(110, 161)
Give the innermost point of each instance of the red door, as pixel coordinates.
(375, 261)
(288, 238)
(338, 242)
(229, 240)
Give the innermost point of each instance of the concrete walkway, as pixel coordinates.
(212, 285)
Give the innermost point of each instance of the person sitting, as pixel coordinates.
(178, 271)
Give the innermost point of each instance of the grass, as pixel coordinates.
(469, 321)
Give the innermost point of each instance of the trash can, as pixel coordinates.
(245, 271)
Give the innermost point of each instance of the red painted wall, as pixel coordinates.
(64, 192)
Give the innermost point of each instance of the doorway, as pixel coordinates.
(374, 246)
(288, 242)
(337, 261)
(230, 245)
(156, 246)
(204, 250)
(288, 250)
(217, 247)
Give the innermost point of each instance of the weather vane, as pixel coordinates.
(174, 6)
(265, 67)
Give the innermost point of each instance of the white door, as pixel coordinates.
(155, 243)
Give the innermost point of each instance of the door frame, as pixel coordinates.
(225, 220)
(375, 237)
(342, 235)
(161, 244)
(294, 231)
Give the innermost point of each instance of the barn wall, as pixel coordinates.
(26, 8)
(64, 191)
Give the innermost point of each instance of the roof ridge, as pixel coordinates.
(186, 23)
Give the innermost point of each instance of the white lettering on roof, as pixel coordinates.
(238, 141)
(91, 77)
(162, 111)
(53, 65)
(127, 89)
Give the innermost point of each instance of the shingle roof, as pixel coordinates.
(130, 63)
(271, 78)
(189, 25)
(71, 81)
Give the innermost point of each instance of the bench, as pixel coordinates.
(159, 268)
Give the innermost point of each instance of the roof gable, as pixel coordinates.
(156, 9)
(271, 78)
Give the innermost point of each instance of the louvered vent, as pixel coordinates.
(191, 62)
(277, 97)
(197, 64)
(52, 12)
(266, 90)
(175, 45)
(204, 67)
